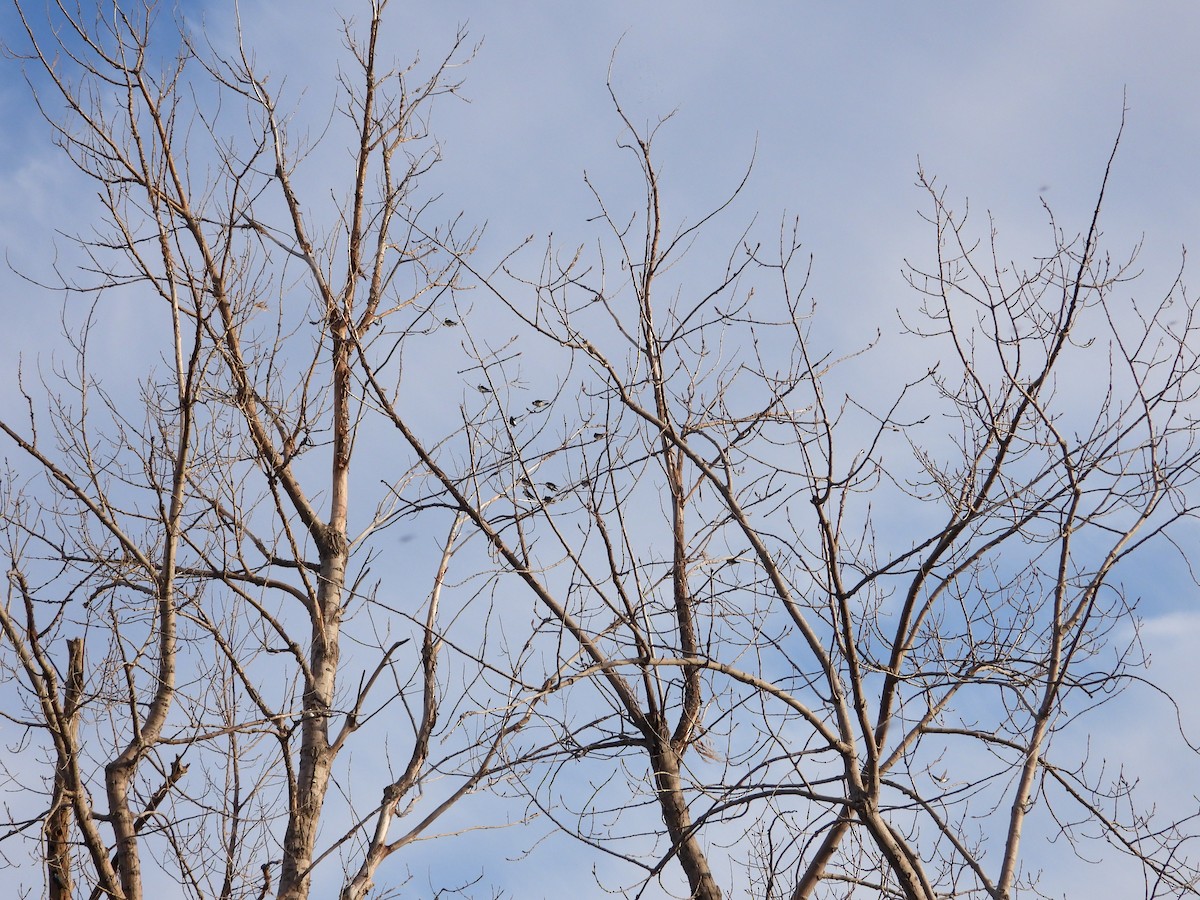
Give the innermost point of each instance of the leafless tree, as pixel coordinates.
(734, 607)
(189, 566)
(830, 627)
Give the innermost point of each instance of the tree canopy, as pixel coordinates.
(394, 539)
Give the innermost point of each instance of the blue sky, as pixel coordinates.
(1004, 103)
(1007, 104)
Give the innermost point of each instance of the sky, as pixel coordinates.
(1008, 105)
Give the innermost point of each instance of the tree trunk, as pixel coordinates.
(316, 754)
(58, 823)
(678, 820)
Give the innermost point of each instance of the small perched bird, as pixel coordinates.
(538, 404)
(551, 485)
(484, 389)
(449, 322)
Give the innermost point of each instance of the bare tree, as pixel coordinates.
(187, 566)
(830, 628)
(792, 625)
